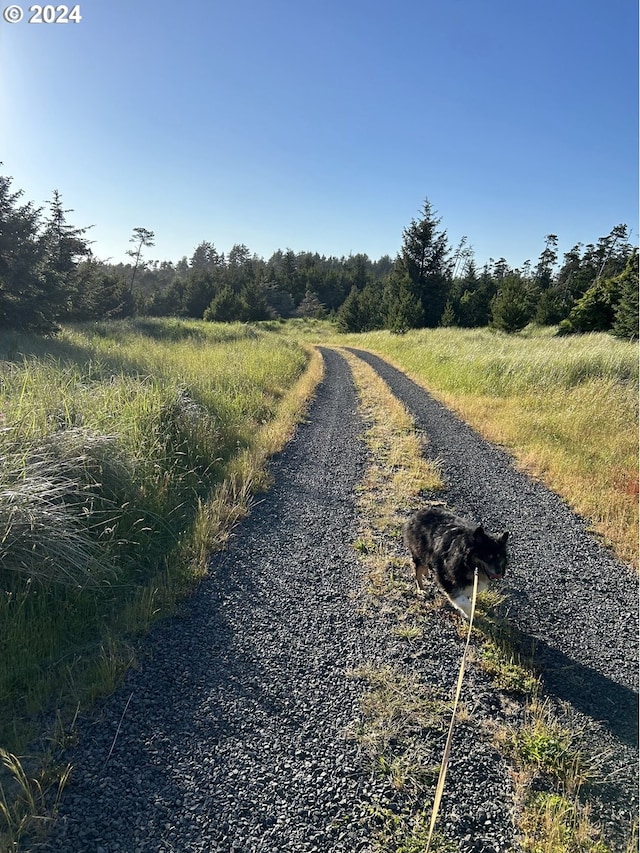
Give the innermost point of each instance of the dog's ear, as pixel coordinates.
(478, 533)
(504, 537)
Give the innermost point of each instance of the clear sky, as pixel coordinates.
(322, 125)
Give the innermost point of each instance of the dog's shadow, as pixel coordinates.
(589, 691)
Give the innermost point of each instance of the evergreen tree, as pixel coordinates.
(29, 300)
(423, 267)
(311, 307)
(625, 324)
(404, 309)
(254, 304)
(199, 290)
(546, 262)
(64, 244)
(141, 237)
(448, 315)
(239, 269)
(597, 310)
(205, 257)
(372, 307)
(226, 307)
(182, 267)
(357, 268)
(279, 302)
(64, 247)
(511, 308)
(348, 318)
(289, 278)
(471, 297)
(550, 309)
(100, 294)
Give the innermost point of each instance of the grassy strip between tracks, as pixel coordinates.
(565, 407)
(127, 452)
(552, 774)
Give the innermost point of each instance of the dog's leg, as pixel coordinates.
(462, 602)
(421, 571)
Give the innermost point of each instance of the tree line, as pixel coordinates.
(49, 275)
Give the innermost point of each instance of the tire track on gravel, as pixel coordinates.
(570, 598)
(234, 735)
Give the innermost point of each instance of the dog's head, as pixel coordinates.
(489, 553)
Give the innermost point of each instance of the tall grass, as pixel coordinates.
(566, 407)
(125, 448)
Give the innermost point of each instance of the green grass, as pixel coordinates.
(407, 832)
(506, 669)
(396, 711)
(551, 772)
(550, 748)
(127, 450)
(553, 823)
(567, 407)
(480, 361)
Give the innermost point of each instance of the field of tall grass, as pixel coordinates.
(565, 407)
(126, 449)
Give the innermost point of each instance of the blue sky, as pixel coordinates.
(322, 126)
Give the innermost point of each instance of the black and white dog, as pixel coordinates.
(451, 548)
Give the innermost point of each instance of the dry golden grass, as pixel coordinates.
(567, 408)
(397, 475)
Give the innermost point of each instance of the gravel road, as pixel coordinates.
(231, 735)
(570, 598)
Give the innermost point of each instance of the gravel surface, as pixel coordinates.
(234, 735)
(231, 735)
(569, 596)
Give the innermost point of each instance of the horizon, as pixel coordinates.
(323, 129)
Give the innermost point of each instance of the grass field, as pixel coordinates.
(126, 449)
(565, 407)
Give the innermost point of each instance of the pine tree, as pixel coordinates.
(141, 237)
(626, 314)
(423, 264)
(546, 262)
(226, 307)
(511, 308)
